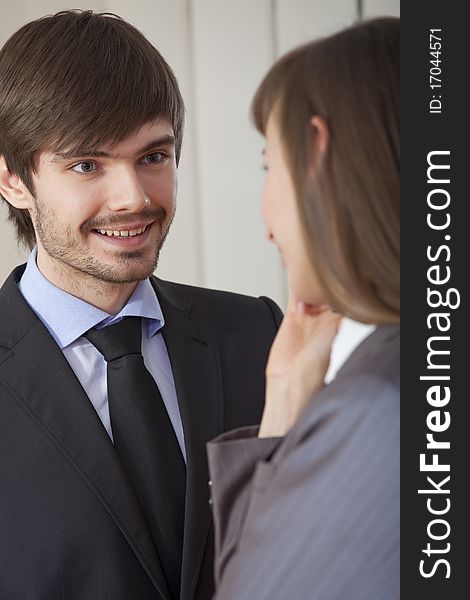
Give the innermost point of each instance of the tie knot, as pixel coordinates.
(117, 340)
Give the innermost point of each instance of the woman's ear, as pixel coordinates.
(322, 138)
(13, 189)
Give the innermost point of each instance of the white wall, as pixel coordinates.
(219, 50)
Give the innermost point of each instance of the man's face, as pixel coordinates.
(103, 215)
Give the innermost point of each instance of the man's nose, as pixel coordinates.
(128, 193)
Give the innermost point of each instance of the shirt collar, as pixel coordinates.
(68, 317)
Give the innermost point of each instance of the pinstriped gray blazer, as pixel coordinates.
(316, 515)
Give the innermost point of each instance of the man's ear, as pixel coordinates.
(322, 138)
(13, 189)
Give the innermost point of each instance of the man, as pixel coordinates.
(104, 476)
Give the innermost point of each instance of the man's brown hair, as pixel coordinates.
(78, 79)
(349, 203)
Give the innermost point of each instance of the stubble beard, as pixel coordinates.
(73, 258)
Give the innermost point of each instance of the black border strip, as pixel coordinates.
(423, 132)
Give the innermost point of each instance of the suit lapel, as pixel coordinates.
(194, 358)
(42, 381)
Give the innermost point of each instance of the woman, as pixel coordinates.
(307, 507)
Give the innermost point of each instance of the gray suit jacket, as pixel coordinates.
(316, 515)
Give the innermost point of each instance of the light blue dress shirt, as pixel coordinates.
(67, 318)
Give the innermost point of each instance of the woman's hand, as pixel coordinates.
(297, 364)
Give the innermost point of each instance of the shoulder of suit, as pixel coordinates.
(214, 303)
(197, 292)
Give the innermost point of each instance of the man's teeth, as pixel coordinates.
(123, 232)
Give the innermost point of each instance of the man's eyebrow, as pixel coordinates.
(164, 140)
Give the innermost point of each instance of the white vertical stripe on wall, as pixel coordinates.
(377, 8)
(299, 21)
(10, 254)
(231, 52)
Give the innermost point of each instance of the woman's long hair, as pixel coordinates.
(348, 199)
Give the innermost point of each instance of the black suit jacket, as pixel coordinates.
(71, 527)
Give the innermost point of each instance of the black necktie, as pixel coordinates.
(145, 440)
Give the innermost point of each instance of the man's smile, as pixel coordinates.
(130, 236)
(122, 232)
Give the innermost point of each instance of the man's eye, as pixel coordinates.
(155, 158)
(84, 167)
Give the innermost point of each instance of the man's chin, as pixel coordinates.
(128, 275)
(129, 268)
